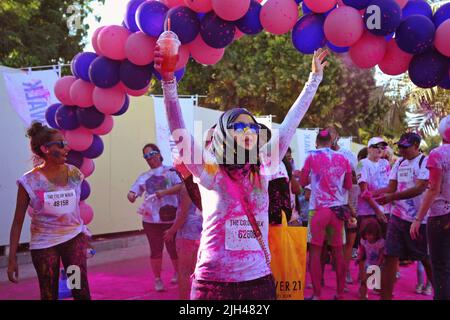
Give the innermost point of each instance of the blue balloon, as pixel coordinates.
(305, 9)
(90, 117)
(104, 72)
(216, 32)
(85, 190)
(420, 7)
(95, 150)
(357, 4)
(415, 34)
(135, 77)
(185, 23)
(336, 48)
(390, 17)
(428, 69)
(307, 34)
(250, 22)
(178, 74)
(441, 14)
(124, 108)
(66, 117)
(80, 64)
(130, 15)
(75, 158)
(445, 83)
(390, 36)
(150, 17)
(50, 115)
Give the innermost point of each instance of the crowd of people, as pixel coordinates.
(213, 215)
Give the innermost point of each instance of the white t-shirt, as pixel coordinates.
(376, 175)
(350, 157)
(406, 173)
(440, 158)
(149, 182)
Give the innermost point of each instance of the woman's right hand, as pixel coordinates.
(166, 76)
(13, 270)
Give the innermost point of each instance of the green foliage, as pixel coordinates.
(35, 32)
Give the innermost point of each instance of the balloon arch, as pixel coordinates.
(396, 35)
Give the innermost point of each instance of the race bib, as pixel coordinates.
(60, 202)
(239, 234)
(405, 174)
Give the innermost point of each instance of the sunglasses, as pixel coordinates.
(378, 146)
(60, 144)
(150, 154)
(241, 127)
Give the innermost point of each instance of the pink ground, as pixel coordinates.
(131, 280)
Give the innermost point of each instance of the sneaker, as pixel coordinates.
(346, 290)
(348, 278)
(312, 298)
(397, 275)
(354, 253)
(159, 285)
(309, 286)
(174, 279)
(428, 291)
(419, 288)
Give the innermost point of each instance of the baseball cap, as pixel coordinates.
(376, 140)
(408, 139)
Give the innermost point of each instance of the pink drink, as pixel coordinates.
(169, 44)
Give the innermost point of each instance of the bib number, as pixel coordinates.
(239, 234)
(60, 202)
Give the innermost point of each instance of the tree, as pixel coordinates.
(35, 32)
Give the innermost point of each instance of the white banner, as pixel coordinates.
(31, 93)
(164, 139)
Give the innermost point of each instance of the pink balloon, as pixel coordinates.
(79, 139)
(344, 26)
(442, 38)
(321, 6)
(368, 51)
(111, 41)
(201, 6)
(139, 48)
(204, 54)
(81, 93)
(395, 61)
(88, 167)
(94, 41)
(173, 3)
(402, 3)
(238, 34)
(86, 212)
(279, 16)
(183, 57)
(62, 89)
(134, 93)
(230, 10)
(105, 127)
(110, 100)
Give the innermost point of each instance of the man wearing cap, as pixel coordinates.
(436, 203)
(408, 181)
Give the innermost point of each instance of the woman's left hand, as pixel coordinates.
(414, 231)
(319, 61)
(169, 235)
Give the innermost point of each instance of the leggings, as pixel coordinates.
(47, 262)
(155, 237)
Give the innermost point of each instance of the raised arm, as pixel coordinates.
(298, 110)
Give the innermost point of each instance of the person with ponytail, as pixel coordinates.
(51, 192)
(233, 173)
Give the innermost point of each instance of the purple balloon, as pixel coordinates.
(305, 9)
(250, 23)
(357, 4)
(124, 108)
(90, 117)
(178, 74)
(441, 14)
(336, 48)
(428, 69)
(135, 77)
(420, 7)
(391, 15)
(66, 117)
(216, 32)
(104, 72)
(130, 15)
(415, 34)
(75, 158)
(50, 115)
(445, 83)
(150, 17)
(85, 190)
(307, 34)
(95, 150)
(185, 23)
(80, 65)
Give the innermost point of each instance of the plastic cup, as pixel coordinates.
(169, 44)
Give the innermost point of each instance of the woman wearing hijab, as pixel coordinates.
(233, 174)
